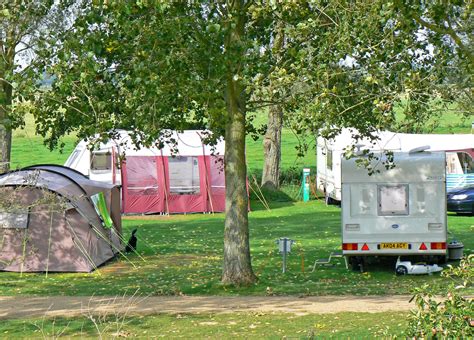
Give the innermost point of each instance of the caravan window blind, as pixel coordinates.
(392, 199)
(329, 164)
(101, 161)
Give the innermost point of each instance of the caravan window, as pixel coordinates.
(17, 220)
(101, 161)
(459, 163)
(392, 199)
(72, 159)
(184, 175)
(466, 162)
(329, 159)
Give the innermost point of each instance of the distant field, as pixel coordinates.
(28, 148)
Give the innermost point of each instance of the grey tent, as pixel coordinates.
(49, 221)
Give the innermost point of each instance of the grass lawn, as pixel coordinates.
(28, 148)
(183, 255)
(235, 325)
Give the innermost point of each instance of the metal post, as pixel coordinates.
(284, 246)
(306, 173)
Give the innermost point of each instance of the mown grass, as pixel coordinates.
(28, 148)
(235, 326)
(183, 255)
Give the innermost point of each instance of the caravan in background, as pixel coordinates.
(459, 155)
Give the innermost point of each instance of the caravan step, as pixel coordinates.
(322, 261)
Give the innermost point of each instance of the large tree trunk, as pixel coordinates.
(272, 148)
(237, 268)
(5, 107)
(272, 140)
(237, 264)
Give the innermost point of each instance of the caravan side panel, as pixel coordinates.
(328, 169)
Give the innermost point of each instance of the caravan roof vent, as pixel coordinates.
(420, 149)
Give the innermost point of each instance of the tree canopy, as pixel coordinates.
(148, 66)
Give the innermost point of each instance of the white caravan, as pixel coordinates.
(103, 163)
(459, 156)
(396, 212)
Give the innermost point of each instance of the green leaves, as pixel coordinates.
(452, 316)
(148, 66)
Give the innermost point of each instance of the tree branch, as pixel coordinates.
(443, 30)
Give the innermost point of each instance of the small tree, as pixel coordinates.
(24, 27)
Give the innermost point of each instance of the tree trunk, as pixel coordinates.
(237, 267)
(5, 107)
(237, 263)
(272, 140)
(272, 148)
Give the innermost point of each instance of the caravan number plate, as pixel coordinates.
(394, 246)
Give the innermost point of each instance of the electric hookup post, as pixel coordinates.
(306, 173)
(284, 245)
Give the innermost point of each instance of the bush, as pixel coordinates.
(450, 317)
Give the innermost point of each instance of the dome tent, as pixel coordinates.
(49, 223)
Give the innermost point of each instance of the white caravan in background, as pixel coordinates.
(459, 155)
(396, 212)
(103, 163)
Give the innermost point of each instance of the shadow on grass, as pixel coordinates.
(274, 198)
(183, 255)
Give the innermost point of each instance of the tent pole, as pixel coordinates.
(49, 241)
(164, 186)
(113, 166)
(208, 189)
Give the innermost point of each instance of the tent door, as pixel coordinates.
(142, 185)
(186, 184)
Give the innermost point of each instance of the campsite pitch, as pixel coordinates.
(183, 255)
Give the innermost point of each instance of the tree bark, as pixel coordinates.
(237, 267)
(6, 63)
(237, 263)
(272, 148)
(272, 139)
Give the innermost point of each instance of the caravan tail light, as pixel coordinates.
(423, 247)
(438, 245)
(349, 246)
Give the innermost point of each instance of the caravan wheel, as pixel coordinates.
(401, 270)
(442, 259)
(358, 263)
